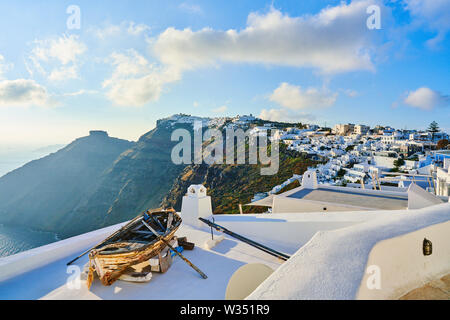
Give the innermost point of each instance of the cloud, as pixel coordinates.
(138, 91)
(124, 28)
(191, 8)
(60, 55)
(351, 93)
(64, 73)
(134, 81)
(221, 109)
(79, 93)
(295, 98)
(426, 99)
(137, 29)
(65, 49)
(129, 63)
(4, 67)
(433, 14)
(285, 115)
(107, 31)
(23, 92)
(332, 41)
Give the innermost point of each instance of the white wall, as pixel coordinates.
(402, 263)
(384, 162)
(332, 265)
(442, 181)
(410, 164)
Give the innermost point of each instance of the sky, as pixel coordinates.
(67, 67)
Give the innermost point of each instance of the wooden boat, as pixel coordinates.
(133, 244)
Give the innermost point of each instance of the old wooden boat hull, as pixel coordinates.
(111, 260)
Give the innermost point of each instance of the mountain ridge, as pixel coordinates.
(40, 193)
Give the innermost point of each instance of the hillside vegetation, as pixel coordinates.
(231, 185)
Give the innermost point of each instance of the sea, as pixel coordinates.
(17, 239)
(14, 157)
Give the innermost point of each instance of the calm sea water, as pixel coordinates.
(15, 239)
(14, 157)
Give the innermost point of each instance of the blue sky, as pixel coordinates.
(308, 61)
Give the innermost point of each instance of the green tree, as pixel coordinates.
(349, 148)
(341, 173)
(433, 128)
(399, 162)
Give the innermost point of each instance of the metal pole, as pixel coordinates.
(246, 240)
(259, 246)
(212, 233)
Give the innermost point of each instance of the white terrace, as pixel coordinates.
(330, 255)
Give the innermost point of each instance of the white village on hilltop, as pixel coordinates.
(371, 221)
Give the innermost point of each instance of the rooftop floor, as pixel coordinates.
(353, 197)
(219, 263)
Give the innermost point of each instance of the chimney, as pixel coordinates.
(196, 204)
(309, 180)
